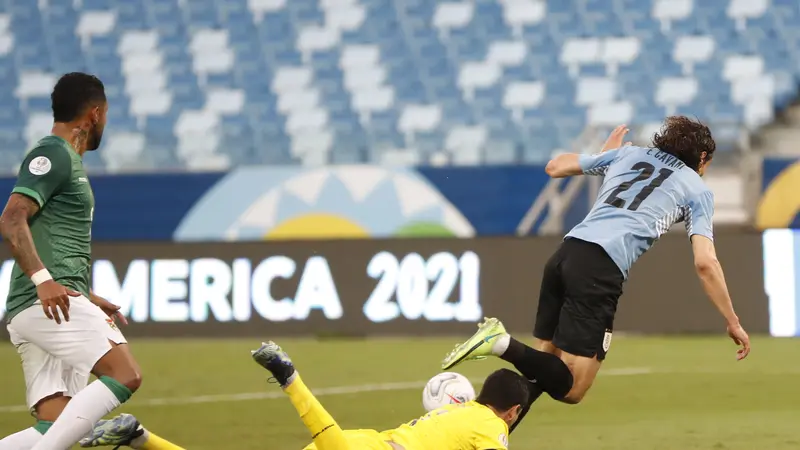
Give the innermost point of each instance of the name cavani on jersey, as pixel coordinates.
(666, 158)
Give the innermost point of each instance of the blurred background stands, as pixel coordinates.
(210, 84)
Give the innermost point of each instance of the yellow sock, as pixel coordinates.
(324, 430)
(153, 442)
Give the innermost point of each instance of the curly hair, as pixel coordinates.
(685, 139)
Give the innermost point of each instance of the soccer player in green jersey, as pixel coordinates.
(62, 331)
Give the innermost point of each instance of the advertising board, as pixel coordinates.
(393, 286)
(257, 203)
(781, 275)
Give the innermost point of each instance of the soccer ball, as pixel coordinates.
(447, 388)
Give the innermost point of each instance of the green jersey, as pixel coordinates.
(53, 176)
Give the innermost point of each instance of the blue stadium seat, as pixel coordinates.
(91, 5)
(466, 63)
(131, 15)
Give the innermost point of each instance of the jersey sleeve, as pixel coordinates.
(43, 172)
(492, 436)
(598, 163)
(699, 215)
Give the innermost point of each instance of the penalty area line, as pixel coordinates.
(321, 392)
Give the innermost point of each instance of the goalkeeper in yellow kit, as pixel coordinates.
(478, 425)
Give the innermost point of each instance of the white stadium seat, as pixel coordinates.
(35, 84)
(420, 118)
(225, 101)
(592, 91)
(139, 41)
(291, 78)
(373, 100)
(507, 53)
(524, 95)
(453, 15)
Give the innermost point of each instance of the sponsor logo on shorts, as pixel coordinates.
(111, 323)
(40, 165)
(607, 341)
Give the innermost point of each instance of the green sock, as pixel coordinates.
(42, 426)
(120, 390)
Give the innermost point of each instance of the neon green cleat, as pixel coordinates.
(118, 432)
(479, 346)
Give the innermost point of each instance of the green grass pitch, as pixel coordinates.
(653, 393)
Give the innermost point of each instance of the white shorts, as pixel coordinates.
(59, 358)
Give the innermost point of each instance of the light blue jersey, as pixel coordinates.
(644, 193)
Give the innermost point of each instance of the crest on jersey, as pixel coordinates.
(503, 439)
(40, 165)
(607, 341)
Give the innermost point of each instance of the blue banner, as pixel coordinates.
(361, 201)
(779, 203)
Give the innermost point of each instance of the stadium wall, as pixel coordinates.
(776, 212)
(362, 201)
(779, 202)
(394, 286)
(335, 202)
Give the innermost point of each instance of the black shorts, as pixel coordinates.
(580, 289)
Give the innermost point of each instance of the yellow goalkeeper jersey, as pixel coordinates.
(466, 426)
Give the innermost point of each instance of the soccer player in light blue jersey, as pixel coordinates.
(646, 190)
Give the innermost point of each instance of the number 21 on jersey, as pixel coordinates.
(646, 171)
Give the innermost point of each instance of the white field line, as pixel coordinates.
(337, 390)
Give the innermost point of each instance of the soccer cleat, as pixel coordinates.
(479, 346)
(119, 431)
(272, 357)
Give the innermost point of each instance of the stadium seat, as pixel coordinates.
(346, 81)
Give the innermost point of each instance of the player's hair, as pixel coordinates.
(685, 139)
(73, 93)
(504, 389)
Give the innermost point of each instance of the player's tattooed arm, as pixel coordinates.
(17, 234)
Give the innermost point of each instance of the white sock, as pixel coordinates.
(139, 441)
(500, 344)
(79, 417)
(23, 440)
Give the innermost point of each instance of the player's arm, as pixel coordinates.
(15, 231)
(615, 139)
(43, 173)
(572, 164)
(709, 270)
(111, 310)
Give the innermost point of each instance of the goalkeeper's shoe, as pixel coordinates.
(119, 431)
(479, 346)
(272, 357)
